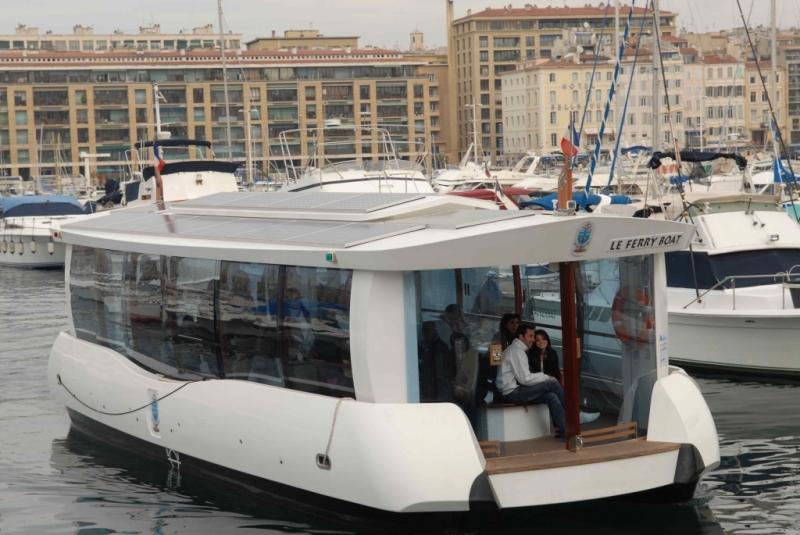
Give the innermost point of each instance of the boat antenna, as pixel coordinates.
(225, 82)
(778, 136)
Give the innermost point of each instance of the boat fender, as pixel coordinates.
(33, 246)
(4, 247)
(51, 247)
(481, 497)
(690, 464)
(618, 312)
(20, 248)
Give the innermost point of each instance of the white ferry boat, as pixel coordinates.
(322, 350)
(26, 223)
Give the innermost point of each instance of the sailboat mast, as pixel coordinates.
(475, 132)
(774, 56)
(656, 70)
(225, 82)
(617, 100)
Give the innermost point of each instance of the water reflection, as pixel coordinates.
(114, 490)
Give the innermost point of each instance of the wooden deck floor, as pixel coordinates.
(548, 452)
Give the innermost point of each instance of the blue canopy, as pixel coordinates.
(580, 197)
(636, 148)
(39, 206)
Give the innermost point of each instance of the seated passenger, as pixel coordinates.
(519, 385)
(436, 368)
(543, 358)
(508, 330)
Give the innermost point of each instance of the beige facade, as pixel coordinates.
(756, 110)
(104, 103)
(541, 98)
(84, 39)
(301, 40)
(484, 45)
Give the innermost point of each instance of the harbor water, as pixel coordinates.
(55, 480)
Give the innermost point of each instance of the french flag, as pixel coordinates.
(565, 148)
(161, 162)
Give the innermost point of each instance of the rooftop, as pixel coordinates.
(19, 58)
(532, 11)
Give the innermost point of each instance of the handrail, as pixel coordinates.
(783, 275)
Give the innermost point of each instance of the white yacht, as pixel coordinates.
(322, 350)
(733, 293)
(382, 172)
(183, 178)
(26, 223)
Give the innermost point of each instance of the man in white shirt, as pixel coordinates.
(519, 385)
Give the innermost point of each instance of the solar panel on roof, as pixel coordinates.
(468, 218)
(283, 231)
(311, 201)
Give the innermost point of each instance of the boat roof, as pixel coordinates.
(370, 231)
(39, 206)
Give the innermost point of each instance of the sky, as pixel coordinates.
(378, 22)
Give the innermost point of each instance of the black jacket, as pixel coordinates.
(550, 362)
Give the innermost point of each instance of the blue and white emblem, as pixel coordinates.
(583, 238)
(154, 409)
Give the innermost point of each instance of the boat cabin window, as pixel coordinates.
(458, 315)
(616, 331)
(186, 318)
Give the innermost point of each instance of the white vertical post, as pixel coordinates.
(774, 55)
(225, 81)
(157, 107)
(656, 71)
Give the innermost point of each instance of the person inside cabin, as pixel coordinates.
(488, 299)
(543, 358)
(300, 339)
(519, 385)
(436, 368)
(464, 357)
(486, 381)
(508, 330)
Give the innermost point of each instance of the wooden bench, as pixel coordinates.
(615, 433)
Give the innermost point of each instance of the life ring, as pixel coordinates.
(618, 311)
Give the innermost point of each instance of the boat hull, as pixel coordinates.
(750, 342)
(407, 461)
(41, 259)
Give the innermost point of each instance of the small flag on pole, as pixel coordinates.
(161, 162)
(565, 142)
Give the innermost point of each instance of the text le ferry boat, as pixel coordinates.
(323, 351)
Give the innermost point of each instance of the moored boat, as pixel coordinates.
(26, 224)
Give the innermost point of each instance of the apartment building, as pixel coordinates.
(57, 105)
(83, 39)
(540, 99)
(486, 44)
(722, 103)
(640, 113)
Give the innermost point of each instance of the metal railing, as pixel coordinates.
(786, 282)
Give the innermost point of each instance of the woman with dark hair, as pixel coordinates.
(543, 358)
(508, 326)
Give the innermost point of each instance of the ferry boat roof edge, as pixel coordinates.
(408, 241)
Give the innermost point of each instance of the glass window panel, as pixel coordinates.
(248, 322)
(189, 315)
(617, 370)
(315, 313)
(458, 318)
